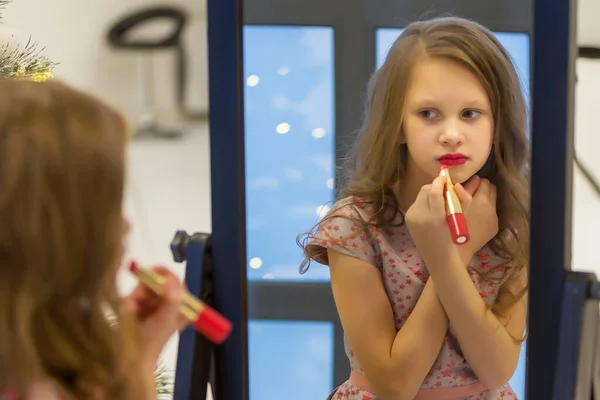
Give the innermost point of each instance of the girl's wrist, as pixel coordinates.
(433, 254)
(149, 362)
(147, 374)
(442, 256)
(465, 256)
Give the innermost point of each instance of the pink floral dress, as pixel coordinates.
(393, 252)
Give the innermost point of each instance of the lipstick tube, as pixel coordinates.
(203, 318)
(454, 214)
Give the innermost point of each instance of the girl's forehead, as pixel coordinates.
(439, 79)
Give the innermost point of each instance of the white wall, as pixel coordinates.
(169, 189)
(74, 33)
(588, 33)
(586, 204)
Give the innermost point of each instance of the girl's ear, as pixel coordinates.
(402, 137)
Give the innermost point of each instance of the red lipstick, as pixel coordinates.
(453, 159)
(205, 319)
(455, 217)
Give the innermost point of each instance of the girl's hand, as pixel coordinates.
(478, 198)
(426, 221)
(159, 316)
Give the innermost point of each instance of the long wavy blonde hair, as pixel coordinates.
(62, 168)
(377, 161)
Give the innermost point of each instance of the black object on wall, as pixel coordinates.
(119, 37)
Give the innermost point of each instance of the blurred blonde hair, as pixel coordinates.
(62, 169)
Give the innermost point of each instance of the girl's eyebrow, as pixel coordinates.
(476, 104)
(432, 102)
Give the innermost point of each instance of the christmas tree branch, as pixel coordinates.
(3, 4)
(25, 63)
(164, 382)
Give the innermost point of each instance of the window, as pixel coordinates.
(290, 158)
(290, 148)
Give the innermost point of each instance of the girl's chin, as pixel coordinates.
(460, 175)
(457, 176)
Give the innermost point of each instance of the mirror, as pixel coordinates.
(305, 77)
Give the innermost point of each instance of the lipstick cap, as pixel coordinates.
(213, 325)
(458, 228)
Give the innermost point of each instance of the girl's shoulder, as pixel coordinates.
(350, 205)
(346, 229)
(363, 209)
(347, 216)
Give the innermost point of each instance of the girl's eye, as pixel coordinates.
(428, 114)
(471, 114)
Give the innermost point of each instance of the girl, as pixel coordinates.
(423, 318)
(62, 171)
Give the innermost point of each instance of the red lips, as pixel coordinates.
(453, 159)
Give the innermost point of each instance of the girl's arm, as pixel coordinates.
(487, 342)
(395, 363)
(485, 339)
(147, 372)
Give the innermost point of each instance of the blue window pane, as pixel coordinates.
(384, 38)
(518, 46)
(290, 360)
(519, 377)
(290, 148)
